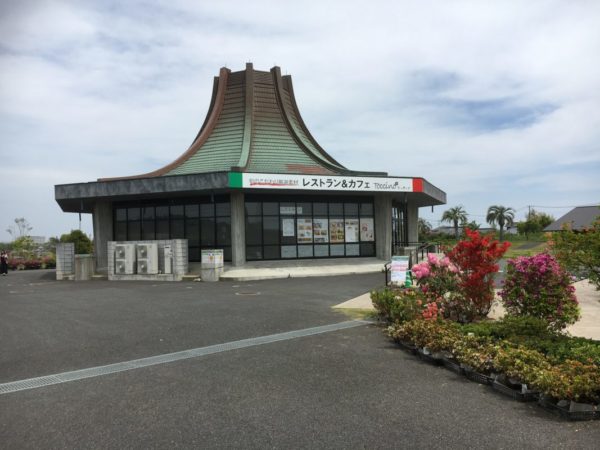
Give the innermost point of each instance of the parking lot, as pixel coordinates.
(349, 388)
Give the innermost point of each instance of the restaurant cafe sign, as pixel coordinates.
(324, 182)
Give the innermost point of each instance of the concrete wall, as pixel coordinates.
(238, 229)
(383, 226)
(103, 233)
(180, 261)
(65, 261)
(412, 222)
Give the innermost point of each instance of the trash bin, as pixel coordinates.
(211, 267)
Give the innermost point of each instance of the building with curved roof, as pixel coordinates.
(255, 183)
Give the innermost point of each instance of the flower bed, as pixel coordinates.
(46, 262)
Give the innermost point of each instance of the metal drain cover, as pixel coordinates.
(247, 293)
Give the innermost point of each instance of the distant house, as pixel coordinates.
(449, 230)
(578, 218)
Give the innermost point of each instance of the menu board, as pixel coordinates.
(336, 230)
(367, 230)
(288, 228)
(351, 230)
(321, 230)
(305, 231)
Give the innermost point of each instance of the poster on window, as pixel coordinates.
(321, 230)
(351, 230)
(305, 231)
(367, 230)
(336, 231)
(288, 228)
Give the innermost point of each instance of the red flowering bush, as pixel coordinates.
(538, 286)
(476, 258)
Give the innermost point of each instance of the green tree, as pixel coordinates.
(455, 216)
(23, 246)
(424, 228)
(579, 251)
(534, 223)
(472, 225)
(83, 244)
(500, 215)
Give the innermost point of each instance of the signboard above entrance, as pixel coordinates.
(324, 182)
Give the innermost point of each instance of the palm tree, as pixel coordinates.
(498, 214)
(455, 216)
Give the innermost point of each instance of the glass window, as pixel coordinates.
(271, 230)
(177, 230)
(223, 231)
(336, 209)
(253, 253)
(288, 251)
(194, 253)
(223, 209)
(192, 232)
(337, 250)
(207, 210)
(121, 231)
(287, 208)
(352, 250)
(254, 228)
(271, 208)
(304, 209)
(321, 251)
(121, 215)
(351, 209)
(367, 249)
(177, 212)
(288, 230)
(134, 232)
(253, 208)
(133, 214)
(148, 230)
(162, 229)
(162, 212)
(192, 211)
(207, 228)
(272, 252)
(320, 209)
(366, 209)
(305, 251)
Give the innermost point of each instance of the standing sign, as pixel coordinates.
(399, 269)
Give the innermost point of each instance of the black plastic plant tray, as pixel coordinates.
(564, 412)
(454, 366)
(527, 396)
(429, 358)
(478, 377)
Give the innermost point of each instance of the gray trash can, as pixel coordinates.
(211, 267)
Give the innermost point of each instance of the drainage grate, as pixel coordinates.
(32, 383)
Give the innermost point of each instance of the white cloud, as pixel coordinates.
(414, 88)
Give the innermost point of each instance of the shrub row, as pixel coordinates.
(47, 262)
(572, 375)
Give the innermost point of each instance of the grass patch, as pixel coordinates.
(358, 314)
(525, 248)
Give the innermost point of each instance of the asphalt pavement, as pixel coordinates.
(344, 389)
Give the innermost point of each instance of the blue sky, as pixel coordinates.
(493, 102)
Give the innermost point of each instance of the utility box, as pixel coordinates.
(125, 259)
(147, 258)
(211, 267)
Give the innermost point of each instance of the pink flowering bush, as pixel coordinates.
(538, 286)
(435, 276)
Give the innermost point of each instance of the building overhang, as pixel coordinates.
(81, 197)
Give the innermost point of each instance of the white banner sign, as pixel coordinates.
(324, 183)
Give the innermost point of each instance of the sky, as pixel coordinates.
(496, 103)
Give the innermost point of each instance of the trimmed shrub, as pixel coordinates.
(537, 286)
(397, 305)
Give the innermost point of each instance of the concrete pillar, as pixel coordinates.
(383, 226)
(103, 232)
(238, 229)
(412, 222)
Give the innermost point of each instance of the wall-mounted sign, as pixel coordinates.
(336, 231)
(351, 230)
(288, 228)
(367, 229)
(321, 231)
(324, 182)
(305, 230)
